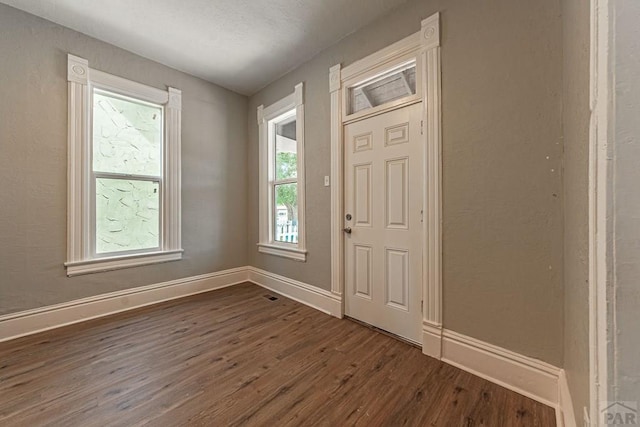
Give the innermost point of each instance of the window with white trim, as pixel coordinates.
(281, 138)
(124, 172)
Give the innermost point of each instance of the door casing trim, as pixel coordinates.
(600, 147)
(425, 44)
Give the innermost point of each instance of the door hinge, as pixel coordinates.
(421, 127)
(422, 306)
(422, 215)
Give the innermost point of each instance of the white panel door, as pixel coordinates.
(383, 212)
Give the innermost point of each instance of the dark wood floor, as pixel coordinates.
(234, 357)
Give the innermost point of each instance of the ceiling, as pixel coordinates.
(242, 45)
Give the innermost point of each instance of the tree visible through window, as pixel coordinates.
(286, 184)
(281, 130)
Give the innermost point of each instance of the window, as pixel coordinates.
(390, 86)
(124, 172)
(396, 85)
(281, 128)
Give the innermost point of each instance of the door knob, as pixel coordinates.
(347, 230)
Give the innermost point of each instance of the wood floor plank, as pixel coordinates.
(235, 358)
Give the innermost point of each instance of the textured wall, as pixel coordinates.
(33, 166)
(576, 39)
(626, 178)
(502, 147)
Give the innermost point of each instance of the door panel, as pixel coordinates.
(383, 193)
(363, 193)
(363, 265)
(397, 278)
(397, 193)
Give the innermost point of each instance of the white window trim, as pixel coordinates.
(80, 258)
(266, 243)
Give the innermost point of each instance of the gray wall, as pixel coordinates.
(33, 166)
(626, 183)
(502, 87)
(576, 40)
(502, 147)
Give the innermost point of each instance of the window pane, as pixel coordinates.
(286, 213)
(388, 87)
(127, 135)
(127, 215)
(286, 150)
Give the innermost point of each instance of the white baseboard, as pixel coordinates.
(565, 417)
(432, 340)
(537, 380)
(312, 296)
(29, 322)
(532, 378)
(524, 375)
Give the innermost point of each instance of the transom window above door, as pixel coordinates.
(382, 88)
(281, 128)
(397, 83)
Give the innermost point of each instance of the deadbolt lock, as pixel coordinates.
(348, 217)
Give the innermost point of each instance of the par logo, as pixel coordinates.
(620, 413)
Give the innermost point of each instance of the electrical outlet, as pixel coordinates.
(326, 180)
(586, 422)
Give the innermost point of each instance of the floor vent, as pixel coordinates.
(271, 297)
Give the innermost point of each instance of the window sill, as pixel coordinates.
(283, 251)
(118, 262)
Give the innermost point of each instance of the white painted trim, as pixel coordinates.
(430, 32)
(78, 71)
(382, 57)
(41, 319)
(380, 109)
(299, 101)
(304, 293)
(172, 180)
(432, 339)
(601, 107)
(425, 46)
(115, 263)
(283, 251)
(529, 377)
(586, 417)
(128, 87)
(277, 108)
(337, 185)
(524, 375)
(29, 322)
(559, 417)
(565, 416)
(266, 243)
(432, 190)
(80, 251)
(263, 171)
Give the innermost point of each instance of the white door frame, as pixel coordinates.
(599, 204)
(425, 45)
